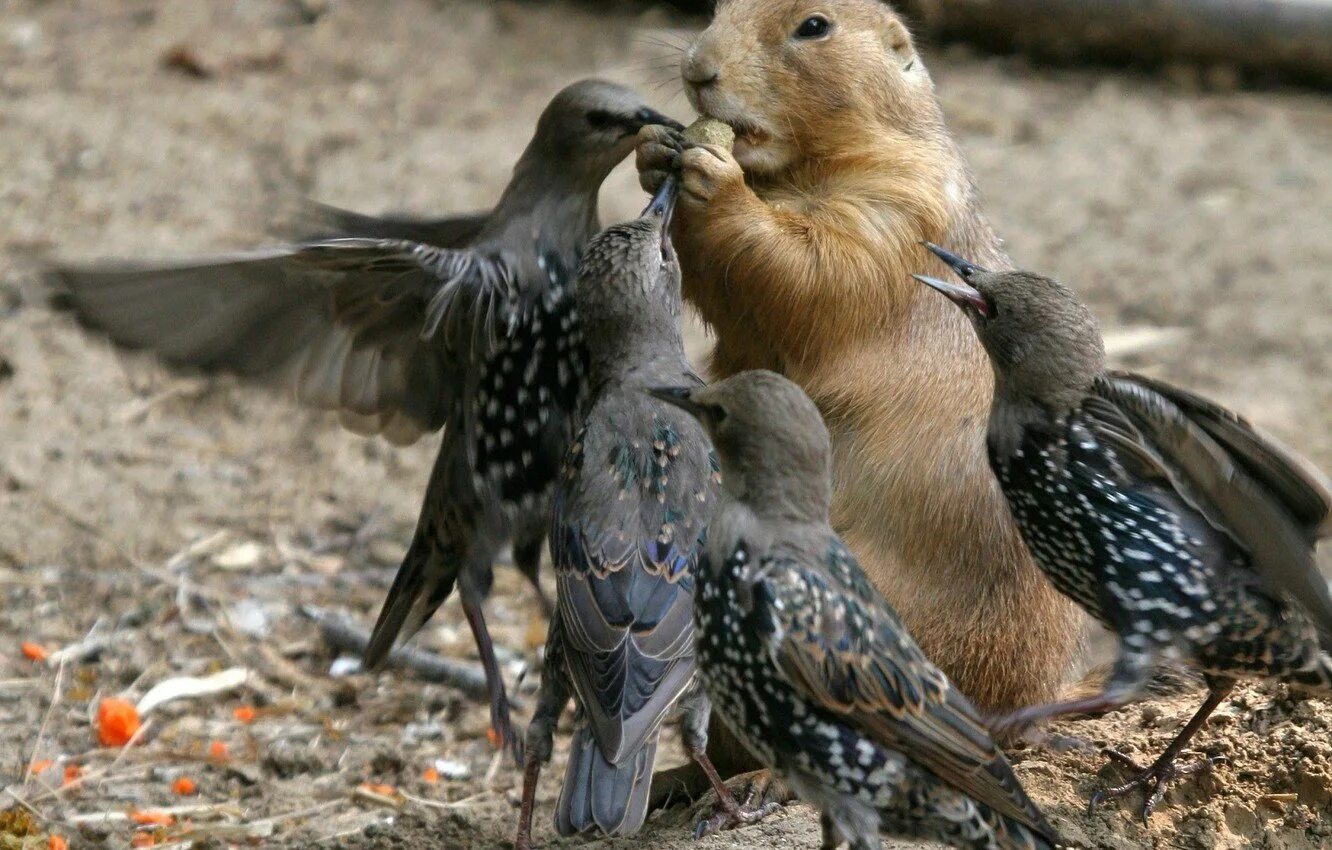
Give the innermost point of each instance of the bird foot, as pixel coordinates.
(1155, 780)
(502, 735)
(762, 792)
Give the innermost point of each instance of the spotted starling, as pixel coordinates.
(405, 326)
(639, 483)
(809, 665)
(1167, 517)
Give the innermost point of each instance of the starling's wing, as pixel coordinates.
(380, 330)
(320, 221)
(843, 647)
(629, 514)
(1298, 484)
(1218, 485)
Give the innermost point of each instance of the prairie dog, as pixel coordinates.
(797, 249)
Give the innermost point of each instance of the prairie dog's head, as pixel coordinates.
(791, 75)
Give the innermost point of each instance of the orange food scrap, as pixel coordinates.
(218, 750)
(493, 737)
(143, 839)
(184, 786)
(117, 721)
(33, 651)
(57, 842)
(430, 775)
(40, 765)
(151, 817)
(381, 790)
(245, 713)
(73, 773)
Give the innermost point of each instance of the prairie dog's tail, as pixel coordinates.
(597, 795)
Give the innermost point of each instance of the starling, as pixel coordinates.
(638, 486)
(464, 325)
(1168, 518)
(809, 665)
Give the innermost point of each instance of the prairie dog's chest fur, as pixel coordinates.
(818, 287)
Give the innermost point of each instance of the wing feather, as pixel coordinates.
(843, 647)
(1218, 483)
(345, 324)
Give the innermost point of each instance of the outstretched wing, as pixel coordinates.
(842, 647)
(321, 221)
(381, 330)
(1304, 490)
(1271, 503)
(629, 516)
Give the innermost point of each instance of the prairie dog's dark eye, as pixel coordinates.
(815, 26)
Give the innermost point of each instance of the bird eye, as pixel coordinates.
(600, 119)
(716, 413)
(815, 26)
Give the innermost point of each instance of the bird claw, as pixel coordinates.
(1157, 779)
(762, 792)
(730, 815)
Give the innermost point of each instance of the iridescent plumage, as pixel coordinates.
(810, 666)
(1168, 518)
(630, 509)
(403, 326)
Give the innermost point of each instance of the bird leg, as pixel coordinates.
(527, 560)
(531, 772)
(540, 738)
(1163, 772)
(1126, 680)
(500, 722)
(729, 813)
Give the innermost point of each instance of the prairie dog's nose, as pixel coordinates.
(700, 67)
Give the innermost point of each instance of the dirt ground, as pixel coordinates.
(174, 526)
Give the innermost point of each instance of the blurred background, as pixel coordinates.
(1178, 176)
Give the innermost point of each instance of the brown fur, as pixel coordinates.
(803, 267)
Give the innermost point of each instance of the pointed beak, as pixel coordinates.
(648, 116)
(681, 397)
(959, 293)
(964, 268)
(663, 205)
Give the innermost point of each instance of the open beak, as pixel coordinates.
(959, 293)
(663, 205)
(680, 397)
(964, 268)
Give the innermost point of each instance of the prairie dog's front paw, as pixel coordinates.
(705, 171)
(657, 155)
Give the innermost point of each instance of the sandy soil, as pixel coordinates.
(183, 522)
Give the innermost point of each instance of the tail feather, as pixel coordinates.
(601, 796)
(421, 586)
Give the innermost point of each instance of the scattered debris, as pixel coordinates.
(34, 651)
(242, 556)
(343, 635)
(117, 722)
(454, 771)
(184, 59)
(380, 795)
(190, 687)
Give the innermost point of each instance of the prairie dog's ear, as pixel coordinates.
(897, 39)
